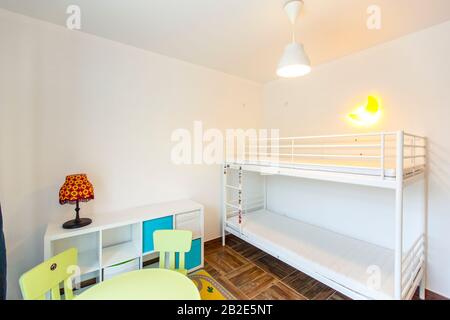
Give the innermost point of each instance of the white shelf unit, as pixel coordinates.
(118, 237)
(389, 160)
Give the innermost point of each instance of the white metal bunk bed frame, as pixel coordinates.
(409, 268)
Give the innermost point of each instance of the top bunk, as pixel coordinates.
(384, 159)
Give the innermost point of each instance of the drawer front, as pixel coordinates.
(149, 227)
(188, 216)
(193, 258)
(190, 221)
(125, 267)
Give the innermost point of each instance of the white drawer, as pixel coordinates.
(113, 271)
(190, 221)
(188, 216)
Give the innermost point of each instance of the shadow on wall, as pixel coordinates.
(438, 217)
(439, 166)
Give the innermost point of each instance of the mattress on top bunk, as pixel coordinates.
(347, 261)
(370, 168)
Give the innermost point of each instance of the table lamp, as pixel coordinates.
(76, 188)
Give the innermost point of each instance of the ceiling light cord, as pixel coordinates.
(293, 33)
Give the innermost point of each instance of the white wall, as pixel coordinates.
(71, 102)
(412, 76)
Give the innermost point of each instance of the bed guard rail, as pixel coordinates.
(380, 150)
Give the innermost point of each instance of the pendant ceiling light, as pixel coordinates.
(294, 62)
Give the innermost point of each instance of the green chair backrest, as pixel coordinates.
(171, 242)
(47, 276)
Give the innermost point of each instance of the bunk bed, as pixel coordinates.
(389, 160)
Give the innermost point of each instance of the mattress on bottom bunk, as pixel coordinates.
(352, 263)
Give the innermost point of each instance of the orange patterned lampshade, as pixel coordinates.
(76, 188)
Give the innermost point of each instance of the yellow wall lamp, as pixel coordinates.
(367, 115)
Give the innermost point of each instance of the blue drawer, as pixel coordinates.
(193, 258)
(151, 226)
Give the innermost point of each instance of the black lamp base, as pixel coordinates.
(75, 224)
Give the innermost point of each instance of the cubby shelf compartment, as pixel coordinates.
(121, 244)
(119, 253)
(88, 261)
(88, 250)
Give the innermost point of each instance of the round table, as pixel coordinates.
(146, 284)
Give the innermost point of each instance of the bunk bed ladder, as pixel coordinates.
(239, 208)
(240, 200)
(224, 203)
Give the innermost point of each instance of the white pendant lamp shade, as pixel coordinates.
(294, 62)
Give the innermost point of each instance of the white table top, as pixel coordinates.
(147, 284)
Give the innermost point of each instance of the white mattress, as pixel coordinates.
(353, 167)
(349, 167)
(343, 259)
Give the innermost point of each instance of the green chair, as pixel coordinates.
(171, 242)
(47, 276)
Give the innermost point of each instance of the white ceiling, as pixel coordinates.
(240, 37)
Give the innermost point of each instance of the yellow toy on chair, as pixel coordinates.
(47, 276)
(171, 242)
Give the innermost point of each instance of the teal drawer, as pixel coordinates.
(151, 226)
(193, 258)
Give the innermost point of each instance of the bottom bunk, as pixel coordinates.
(356, 268)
